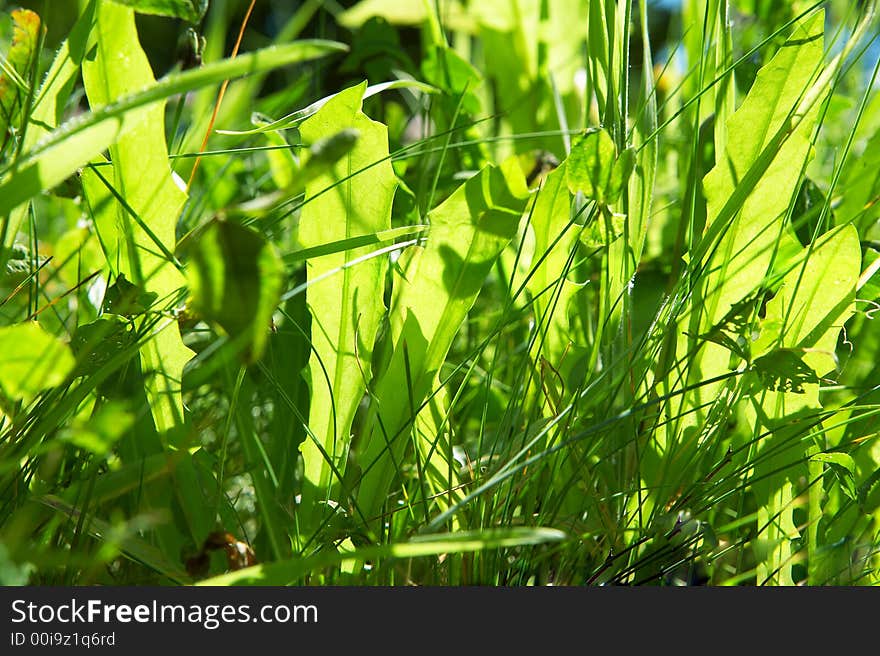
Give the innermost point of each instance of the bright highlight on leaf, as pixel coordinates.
(31, 361)
(349, 198)
(366, 348)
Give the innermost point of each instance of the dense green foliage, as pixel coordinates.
(510, 292)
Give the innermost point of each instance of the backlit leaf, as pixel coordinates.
(434, 289)
(351, 197)
(144, 232)
(31, 360)
(594, 167)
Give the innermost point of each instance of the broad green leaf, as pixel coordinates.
(235, 278)
(352, 198)
(31, 360)
(745, 251)
(803, 321)
(82, 139)
(556, 240)
(288, 571)
(800, 331)
(749, 240)
(595, 169)
(127, 299)
(434, 288)
(189, 10)
(141, 172)
(748, 192)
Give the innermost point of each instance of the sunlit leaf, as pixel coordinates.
(127, 299)
(595, 169)
(79, 140)
(31, 360)
(145, 227)
(350, 198)
(434, 289)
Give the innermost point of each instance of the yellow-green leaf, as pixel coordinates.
(31, 360)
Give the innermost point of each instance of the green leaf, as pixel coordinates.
(434, 289)
(189, 10)
(814, 299)
(147, 222)
(844, 468)
(235, 278)
(747, 247)
(746, 216)
(127, 299)
(594, 168)
(31, 360)
(351, 198)
(80, 140)
(556, 238)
